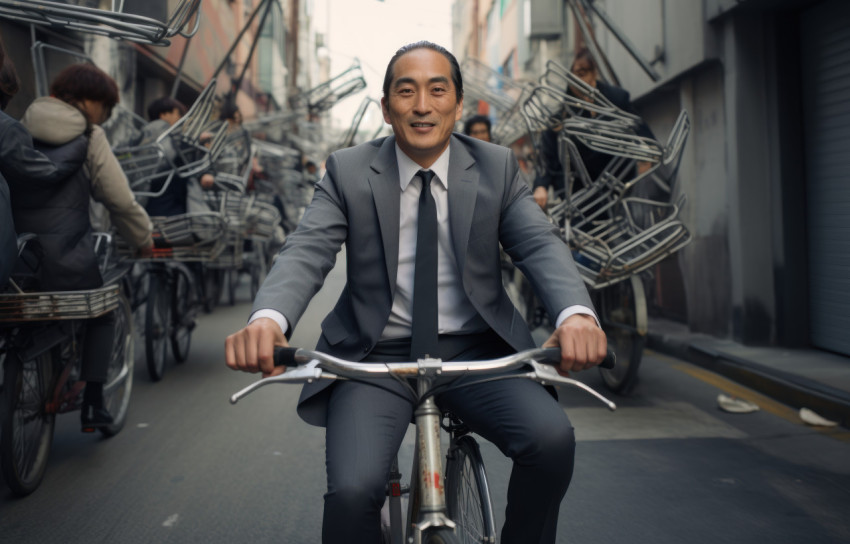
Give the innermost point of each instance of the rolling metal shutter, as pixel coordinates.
(826, 92)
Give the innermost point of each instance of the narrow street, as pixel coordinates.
(666, 467)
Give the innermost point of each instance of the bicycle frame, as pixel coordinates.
(427, 483)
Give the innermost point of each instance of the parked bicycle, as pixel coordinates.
(448, 507)
(41, 345)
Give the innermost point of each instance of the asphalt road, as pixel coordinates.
(666, 467)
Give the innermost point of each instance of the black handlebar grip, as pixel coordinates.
(553, 356)
(285, 356)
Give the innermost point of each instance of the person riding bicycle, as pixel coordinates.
(181, 195)
(584, 66)
(423, 278)
(65, 126)
(18, 158)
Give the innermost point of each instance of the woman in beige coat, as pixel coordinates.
(65, 127)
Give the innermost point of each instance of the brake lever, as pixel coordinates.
(546, 374)
(307, 373)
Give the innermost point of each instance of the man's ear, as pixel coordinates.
(385, 110)
(459, 109)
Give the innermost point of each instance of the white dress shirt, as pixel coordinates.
(455, 312)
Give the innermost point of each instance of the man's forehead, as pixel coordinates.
(417, 60)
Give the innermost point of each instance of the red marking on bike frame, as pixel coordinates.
(438, 481)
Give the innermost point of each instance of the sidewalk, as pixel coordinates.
(808, 378)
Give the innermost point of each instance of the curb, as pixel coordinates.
(790, 389)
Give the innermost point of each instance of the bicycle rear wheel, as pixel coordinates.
(183, 320)
(119, 377)
(467, 493)
(157, 322)
(27, 427)
(623, 308)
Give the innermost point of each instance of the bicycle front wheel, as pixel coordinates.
(27, 427)
(182, 315)
(119, 377)
(442, 535)
(467, 493)
(157, 322)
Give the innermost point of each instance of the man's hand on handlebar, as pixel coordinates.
(583, 344)
(252, 348)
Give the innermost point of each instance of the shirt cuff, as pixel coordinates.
(274, 315)
(572, 310)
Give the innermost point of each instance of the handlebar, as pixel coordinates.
(297, 356)
(306, 366)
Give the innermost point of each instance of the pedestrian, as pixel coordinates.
(478, 126)
(585, 67)
(66, 125)
(426, 282)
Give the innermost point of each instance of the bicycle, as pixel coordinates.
(459, 511)
(41, 339)
(174, 294)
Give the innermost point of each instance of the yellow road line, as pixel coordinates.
(737, 390)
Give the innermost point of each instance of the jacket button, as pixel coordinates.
(365, 348)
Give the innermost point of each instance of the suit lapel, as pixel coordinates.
(463, 188)
(386, 193)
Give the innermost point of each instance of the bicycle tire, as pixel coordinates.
(258, 270)
(182, 322)
(211, 281)
(119, 377)
(232, 284)
(440, 535)
(27, 427)
(467, 493)
(623, 307)
(157, 321)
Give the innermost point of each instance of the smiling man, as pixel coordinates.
(422, 214)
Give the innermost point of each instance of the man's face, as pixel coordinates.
(95, 111)
(585, 71)
(422, 106)
(171, 117)
(480, 131)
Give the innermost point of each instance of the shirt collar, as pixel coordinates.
(407, 168)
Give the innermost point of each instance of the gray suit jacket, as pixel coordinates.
(358, 203)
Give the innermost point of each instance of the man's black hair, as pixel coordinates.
(228, 110)
(584, 53)
(474, 120)
(456, 77)
(166, 104)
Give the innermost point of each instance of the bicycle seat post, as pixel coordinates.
(430, 477)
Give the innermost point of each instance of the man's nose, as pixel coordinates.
(422, 105)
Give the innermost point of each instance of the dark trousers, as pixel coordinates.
(366, 426)
(97, 348)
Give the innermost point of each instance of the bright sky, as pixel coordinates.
(372, 31)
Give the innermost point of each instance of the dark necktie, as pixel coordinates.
(423, 339)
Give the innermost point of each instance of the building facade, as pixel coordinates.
(146, 72)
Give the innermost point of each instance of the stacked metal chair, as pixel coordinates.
(622, 222)
(178, 154)
(115, 22)
(323, 97)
